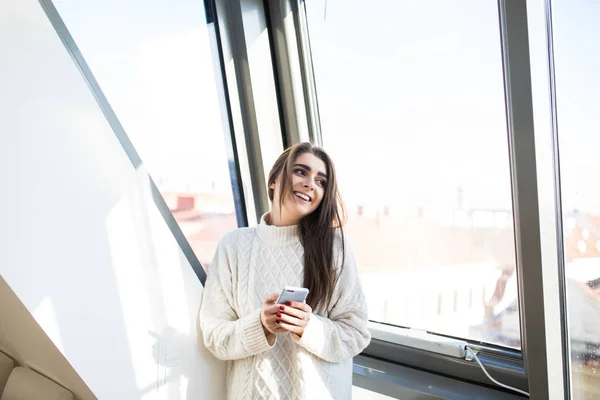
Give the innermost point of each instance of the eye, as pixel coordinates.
(321, 182)
(299, 171)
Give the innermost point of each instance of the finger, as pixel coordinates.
(292, 320)
(292, 311)
(272, 298)
(275, 328)
(275, 308)
(272, 320)
(269, 311)
(268, 316)
(291, 328)
(300, 306)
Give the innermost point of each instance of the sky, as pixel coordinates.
(152, 59)
(413, 94)
(410, 94)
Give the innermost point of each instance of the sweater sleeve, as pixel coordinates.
(344, 333)
(226, 335)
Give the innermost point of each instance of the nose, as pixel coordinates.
(309, 184)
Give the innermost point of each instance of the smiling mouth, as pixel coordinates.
(302, 196)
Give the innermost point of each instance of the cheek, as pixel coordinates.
(319, 199)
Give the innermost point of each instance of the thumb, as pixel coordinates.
(271, 298)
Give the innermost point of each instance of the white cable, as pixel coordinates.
(492, 379)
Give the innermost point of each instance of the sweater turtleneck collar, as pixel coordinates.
(277, 235)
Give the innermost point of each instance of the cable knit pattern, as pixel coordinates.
(251, 263)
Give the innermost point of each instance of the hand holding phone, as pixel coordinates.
(294, 318)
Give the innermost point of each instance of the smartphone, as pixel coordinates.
(291, 293)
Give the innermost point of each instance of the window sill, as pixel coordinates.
(396, 346)
(406, 383)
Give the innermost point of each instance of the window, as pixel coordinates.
(154, 66)
(413, 113)
(576, 34)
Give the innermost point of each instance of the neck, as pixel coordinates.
(277, 235)
(279, 217)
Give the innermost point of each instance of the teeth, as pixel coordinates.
(302, 196)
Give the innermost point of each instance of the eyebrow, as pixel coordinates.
(306, 167)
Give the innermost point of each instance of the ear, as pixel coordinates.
(272, 186)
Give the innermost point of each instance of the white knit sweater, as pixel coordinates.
(251, 263)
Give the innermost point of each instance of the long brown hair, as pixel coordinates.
(318, 229)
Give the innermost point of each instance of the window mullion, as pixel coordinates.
(534, 209)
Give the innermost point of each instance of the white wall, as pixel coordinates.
(81, 242)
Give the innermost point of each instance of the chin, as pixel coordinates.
(300, 210)
(300, 213)
(304, 209)
(306, 213)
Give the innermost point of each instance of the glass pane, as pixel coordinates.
(577, 62)
(153, 62)
(413, 113)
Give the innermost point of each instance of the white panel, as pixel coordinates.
(80, 234)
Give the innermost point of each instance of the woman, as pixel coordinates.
(296, 350)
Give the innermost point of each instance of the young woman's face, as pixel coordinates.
(309, 179)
